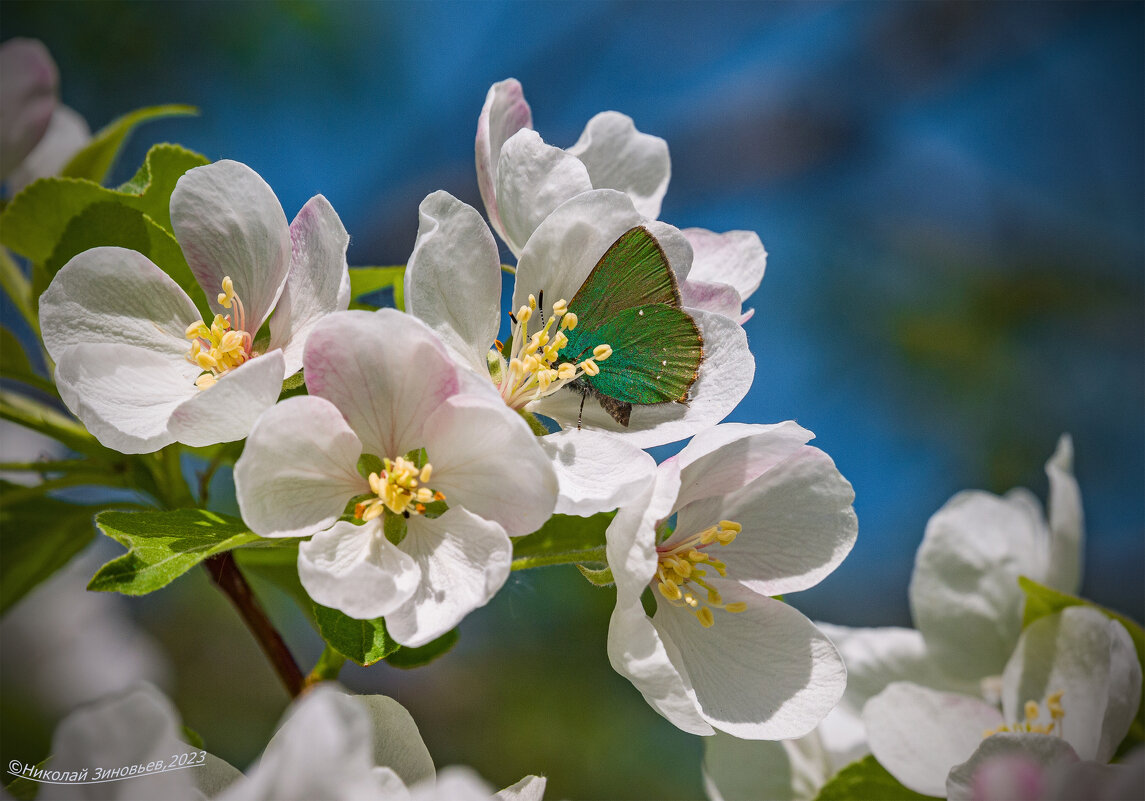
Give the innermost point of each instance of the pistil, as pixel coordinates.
(400, 488)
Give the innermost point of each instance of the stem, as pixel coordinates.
(568, 558)
(19, 289)
(328, 667)
(225, 573)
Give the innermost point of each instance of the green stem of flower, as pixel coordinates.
(19, 289)
(328, 667)
(566, 558)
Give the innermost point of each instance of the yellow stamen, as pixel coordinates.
(1032, 711)
(679, 569)
(397, 488)
(223, 346)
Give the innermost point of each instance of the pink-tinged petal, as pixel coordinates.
(637, 651)
(487, 460)
(675, 246)
(730, 456)
(725, 376)
(67, 134)
(464, 560)
(620, 157)
(124, 395)
(762, 674)
(356, 570)
(226, 411)
(1067, 522)
(713, 297)
(298, 469)
(229, 223)
(318, 271)
(919, 734)
(505, 112)
(798, 525)
(385, 371)
(1090, 659)
(453, 279)
(28, 84)
(532, 180)
(1010, 767)
(568, 244)
(736, 258)
(597, 472)
(630, 541)
(111, 295)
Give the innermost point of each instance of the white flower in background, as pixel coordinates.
(38, 135)
(523, 180)
(381, 384)
(758, 513)
(1073, 680)
(134, 360)
(453, 283)
(964, 592)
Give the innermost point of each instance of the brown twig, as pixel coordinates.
(225, 573)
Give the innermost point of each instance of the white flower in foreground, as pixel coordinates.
(1074, 679)
(382, 385)
(964, 592)
(134, 360)
(523, 180)
(453, 283)
(758, 513)
(38, 135)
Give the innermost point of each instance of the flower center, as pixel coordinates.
(223, 346)
(399, 488)
(1033, 711)
(681, 569)
(530, 370)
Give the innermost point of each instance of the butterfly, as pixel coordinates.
(631, 302)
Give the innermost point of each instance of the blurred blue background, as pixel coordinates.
(951, 195)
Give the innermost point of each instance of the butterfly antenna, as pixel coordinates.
(580, 414)
(541, 305)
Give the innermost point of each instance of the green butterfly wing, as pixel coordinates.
(633, 272)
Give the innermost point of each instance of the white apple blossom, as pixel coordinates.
(1073, 678)
(134, 360)
(381, 384)
(964, 592)
(523, 180)
(453, 283)
(758, 513)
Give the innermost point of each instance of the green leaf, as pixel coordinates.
(406, 658)
(364, 641)
(24, 789)
(563, 536)
(38, 536)
(18, 288)
(163, 546)
(866, 779)
(96, 158)
(1042, 600)
(366, 280)
(601, 577)
(14, 363)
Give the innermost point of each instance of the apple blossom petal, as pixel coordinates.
(762, 674)
(397, 741)
(137, 726)
(735, 257)
(748, 770)
(596, 471)
(1067, 522)
(638, 652)
(532, 180)
(1008, 766)
(298, 468)
(798, 525)
(356, 570)
(1091, 660)
(725, 376)
(115, 295)
(729, 456)
(229, 223)
(318, 272)
(67, 134)
(27, 99)
(486, 459)
(630, 541)
(385, 371)
(123, 394)
(565, 247)
(464, 559)
(530, 788)
(919, 734)
(676, 248)
(964, 592)
(713, 297)
(505, 112)
(620, 157)
(453, 279)
(226, 411)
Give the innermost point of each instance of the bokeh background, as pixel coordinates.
(951, 195)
